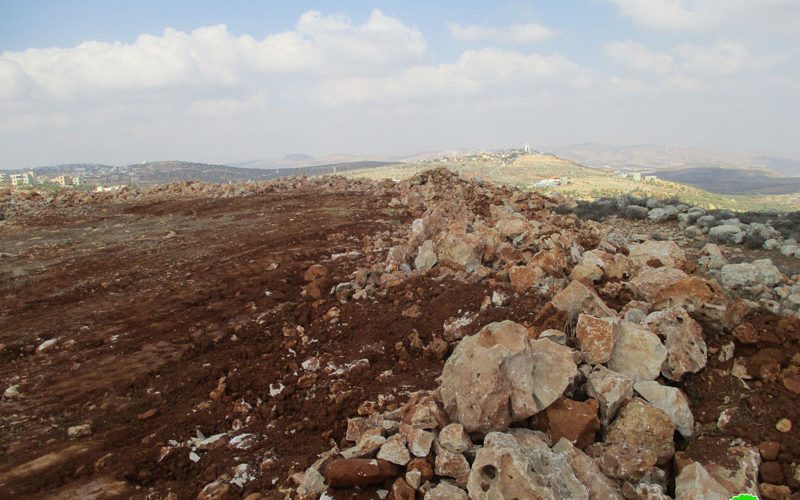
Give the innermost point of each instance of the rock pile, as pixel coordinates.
(585, 401)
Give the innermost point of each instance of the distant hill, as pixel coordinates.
(164, 172)
(733, 181)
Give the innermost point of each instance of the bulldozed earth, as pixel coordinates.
(336, 338)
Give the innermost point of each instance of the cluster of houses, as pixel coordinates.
(31, 179)
(637, 176)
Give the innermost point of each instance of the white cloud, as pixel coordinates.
(687, 62)
(637, 56)
(212, 56)
(517, 33)
(476, 73)
(716, 15)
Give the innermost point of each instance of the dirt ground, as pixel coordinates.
(156, 305)
(185, 339)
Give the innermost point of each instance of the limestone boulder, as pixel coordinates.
(667, 253)
(683, 338)
(623, 461)
(702, 298)
(672, 401)
(728, 234)
(498, 376)
(460, 251)
(504, 468)
(578, 298)
(744, 274)
(597, 337)
(586, 470)
(610, 389)
(695, 482)
(642, 425)
(638, 353)
(426, 256)
(647, 284)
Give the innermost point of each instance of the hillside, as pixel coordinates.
(164, 172)
(585, 182)
(733, 180)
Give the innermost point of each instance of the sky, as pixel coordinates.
(117, 82)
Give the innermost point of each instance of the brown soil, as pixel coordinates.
(755, 405)
(148, 324)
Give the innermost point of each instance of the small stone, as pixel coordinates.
(426, 256)
(784, 425)
(623, 461)
(420, 442)
(746, 334)
(775, 492)
(46, 345)
(499, 299)
(588, 473)
(672, 401)
(394, 450)
(694, 482)
(315, 272)
(78, 431)
(454, 439)
(349, 472)
(12, 392)
(446, 491)
(423, 466)
(215, 490)
(610, 389)
(414, 478)
(402, 491)
(769, 450)
(556, 336)
(638, 353)
(643, 425)
(454, 465)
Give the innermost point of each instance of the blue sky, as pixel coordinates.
(119, 81)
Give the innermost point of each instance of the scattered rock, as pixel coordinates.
(667, 253)
(498, 376)
(79, 431)
(454, 439)
(426, 256)
(694, 482)
(672, 401)
(348, 472)
(12, 392)
(597, 337)
(683, 339)
(610, 389)
(588, 473)
(575, 421)
(394, 450)
(623, 461)
(577, 298)
(446, 491)
(643, 425)
(638, 353)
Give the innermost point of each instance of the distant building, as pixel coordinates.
(551, 182)
(3, 178)
(637, 176)
(63, 180)
(25, 179)
(649, 178)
